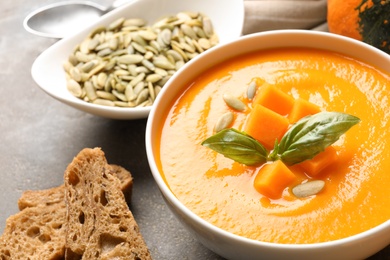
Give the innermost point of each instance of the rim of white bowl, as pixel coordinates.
(172, 198)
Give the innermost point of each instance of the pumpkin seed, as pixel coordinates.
(89, 65)
(188, 48)
(130, 59)
(179, 64)
(251, 91)
(113, 44)
(224, 121)
(181, 52)
(149, 65)
(204, 43)
(140, 77)
(187, 30)
(74, 88)
(176, 56)
(165, 36)
(139, 87)
(102, 46)
(145, 103)
(84, 46)
(75, 74)
(97, 30)
(142, 69)
(164, 80)
(138, 39)
(163, 63)
(82, 57)
(157, 90)
(199, 31)
(94, 82)
(67, 66)
(142, 96)
(183, 16)
(120, 86)
(93, 43)
(153, 78)
(101, 79)
(147, 35)
(129, 93)
(103, 102)
(119, 95)
(151, 91)
(135, 22)
(138, 47)
(96, 69)
(148, 55)
(132, 69)
(155, 46)
(191, 55)
(161, 72)
(193, 22)
(121, 72)
(234, 102)
(309, 188)
(90, 91)
(110, 64)
(197, 46)
(208, 27)
(121, 103)
(104, 52)
(116, 24)
(105, 95)
(126, 40)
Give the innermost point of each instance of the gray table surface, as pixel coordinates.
(40, 136)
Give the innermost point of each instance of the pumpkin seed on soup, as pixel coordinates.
(234, 102)
(309, 188)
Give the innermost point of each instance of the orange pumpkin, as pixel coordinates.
(365, 20)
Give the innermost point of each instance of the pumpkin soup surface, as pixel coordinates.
(221, 191)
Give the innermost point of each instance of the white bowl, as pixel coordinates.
(47, 71)
(233, 246)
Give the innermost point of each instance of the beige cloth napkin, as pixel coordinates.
(264, 15)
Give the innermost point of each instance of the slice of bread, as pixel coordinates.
(38, 230)
(33, 198)
(99, 222)
(35, 233)
(47, 197)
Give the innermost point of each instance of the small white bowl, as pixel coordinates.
(47, 71)
(232, 246)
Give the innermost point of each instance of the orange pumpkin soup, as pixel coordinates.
(221, 191)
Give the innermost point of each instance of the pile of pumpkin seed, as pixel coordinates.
(128, 62)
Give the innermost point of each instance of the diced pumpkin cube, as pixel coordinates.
(265, 125)
(302, 108)
(273, 98)
(273, 178)
(319, 162)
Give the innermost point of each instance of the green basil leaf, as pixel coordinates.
(237, 146)
(312, 134)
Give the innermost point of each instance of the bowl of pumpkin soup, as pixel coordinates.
(276, 146)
